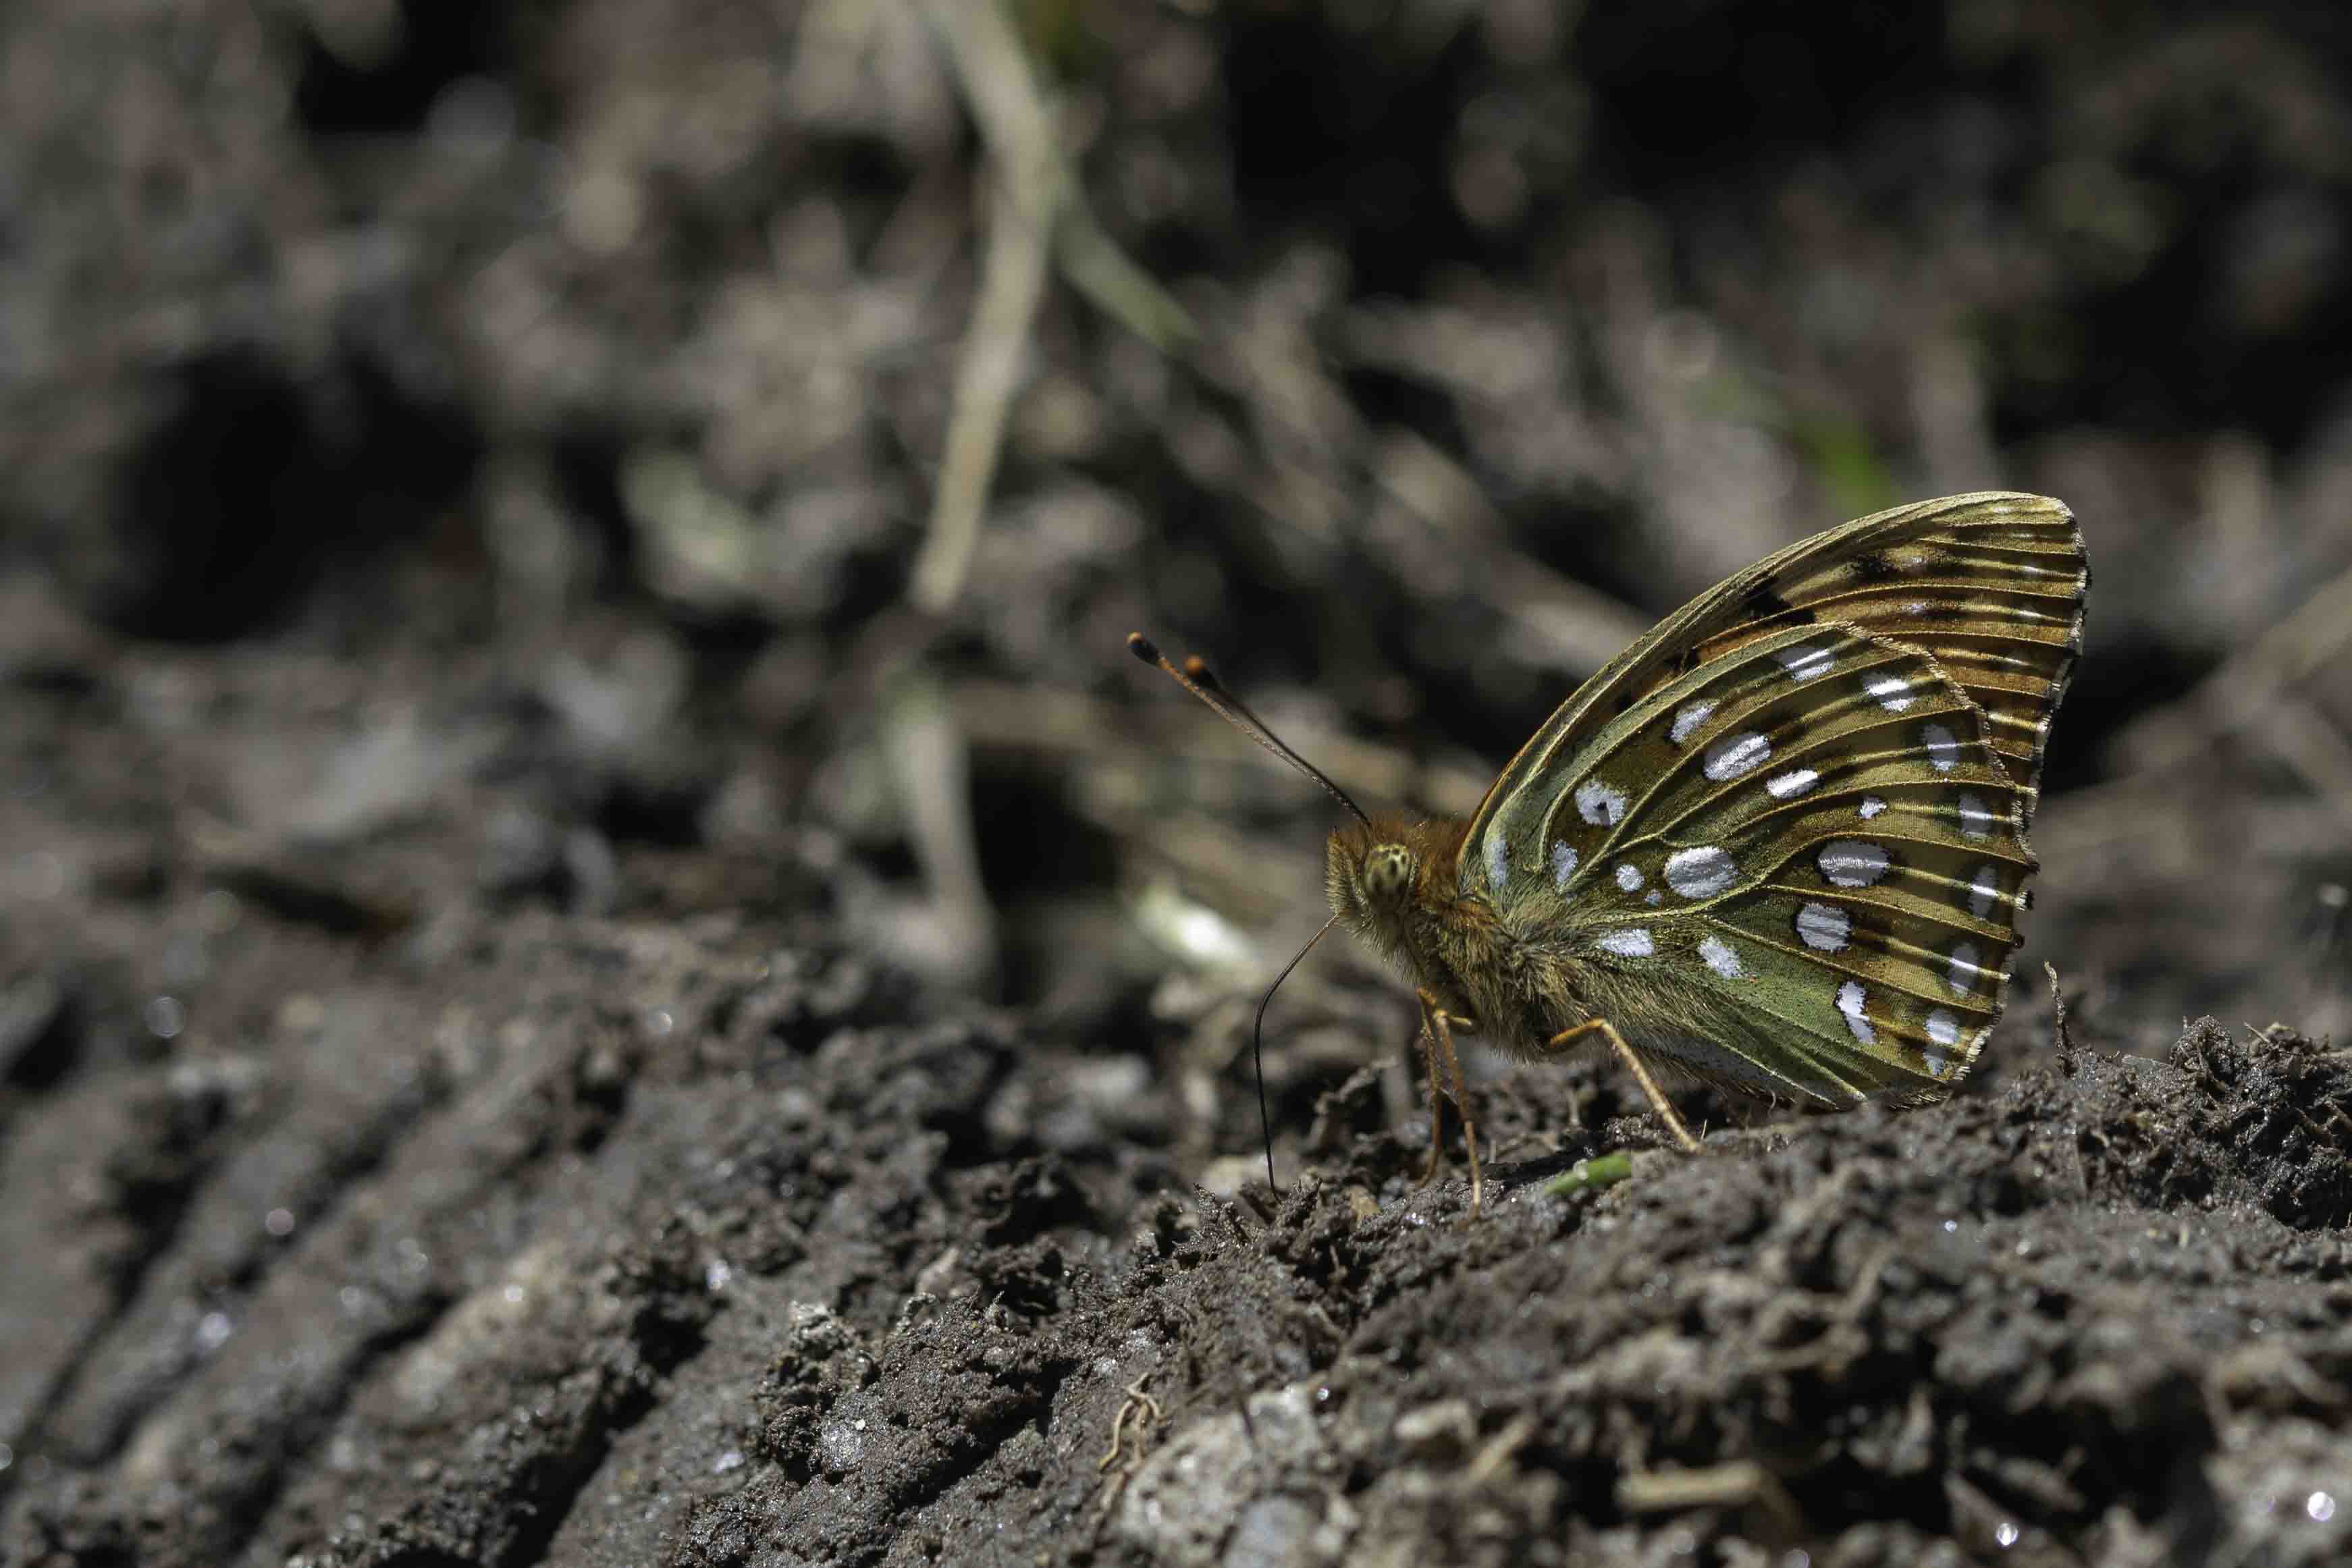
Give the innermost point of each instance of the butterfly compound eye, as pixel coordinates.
(1388, 872)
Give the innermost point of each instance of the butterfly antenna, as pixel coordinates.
(1202, 682)
(1257, 1046)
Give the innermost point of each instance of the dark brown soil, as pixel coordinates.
(548, 1016)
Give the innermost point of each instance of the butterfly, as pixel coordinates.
(1777, 845)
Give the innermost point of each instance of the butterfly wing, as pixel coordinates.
(1785, 832)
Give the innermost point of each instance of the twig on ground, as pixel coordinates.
(1036, 209)
(1138, 1404)
(930, 766)
(2065, 1041)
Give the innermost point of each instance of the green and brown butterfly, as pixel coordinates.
(1777, 845)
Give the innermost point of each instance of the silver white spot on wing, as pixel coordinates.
(1795, 781)
(1688, 717)
(1632, 944)
(1853, 862)
(1740, 754)
(1598, 803)
(1825, 927)
(1498, 858)
(1942, 746)
(1563, 866)
(1964, 974)
(1720, 957)
(1701, 872)
(1945, 1030)
(1870, 806)
(1893, 692)
(1983, 888)
(1850, 1001)
(1629, 877)
(1805, 663)
(1976, 819)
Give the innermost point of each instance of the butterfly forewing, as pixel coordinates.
(2004, 620)
(1786, 828)
(1989, 584)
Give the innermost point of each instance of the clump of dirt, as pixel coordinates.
(785, 1291)
(2057, 1322)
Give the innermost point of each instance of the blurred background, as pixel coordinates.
(700, 460)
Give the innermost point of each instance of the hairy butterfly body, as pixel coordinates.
(1780, 843)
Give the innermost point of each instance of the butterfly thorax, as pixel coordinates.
(1392, 884)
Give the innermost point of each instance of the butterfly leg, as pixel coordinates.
(1625, 1053)
(1437, 1039)
(1425, 1040)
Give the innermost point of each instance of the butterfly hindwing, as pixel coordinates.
(1796, 839)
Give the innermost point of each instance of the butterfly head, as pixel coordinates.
(1375, 872)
